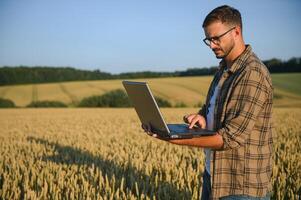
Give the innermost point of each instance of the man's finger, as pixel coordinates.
(194, 120)
(190, 118)
(202, 124)
(185, 119)
(144, 127)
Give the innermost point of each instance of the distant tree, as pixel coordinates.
(180, 105)
(199, 105)
(6, 103)
(23, 74)
(115, 98)
(162, 102)
(46, 104)
(197, 71)
(45, 74)
(277, 66)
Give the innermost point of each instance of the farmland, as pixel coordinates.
(103, 154)
(188, 90)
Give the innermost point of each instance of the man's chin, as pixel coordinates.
(219, 56)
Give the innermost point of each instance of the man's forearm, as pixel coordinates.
(213, 142)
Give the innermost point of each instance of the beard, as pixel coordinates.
(219, 53)
(222, 52)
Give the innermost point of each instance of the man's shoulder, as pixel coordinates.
(254, 63)
(255, 66)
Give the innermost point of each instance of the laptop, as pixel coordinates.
(149, 114)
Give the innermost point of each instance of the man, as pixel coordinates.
(239, 108)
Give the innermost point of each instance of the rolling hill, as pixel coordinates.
(188, 90)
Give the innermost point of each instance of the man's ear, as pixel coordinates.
(237, 31)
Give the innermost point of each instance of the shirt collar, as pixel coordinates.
(238, 61)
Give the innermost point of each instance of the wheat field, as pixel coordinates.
(104, 154)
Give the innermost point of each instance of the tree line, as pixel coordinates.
(10, 75)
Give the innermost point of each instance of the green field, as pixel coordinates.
(188, 90)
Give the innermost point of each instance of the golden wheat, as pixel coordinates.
(104, 154)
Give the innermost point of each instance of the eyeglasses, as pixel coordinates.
(216, 39)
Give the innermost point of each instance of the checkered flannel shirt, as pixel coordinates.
(243, 117)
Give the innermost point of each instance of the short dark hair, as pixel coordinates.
(225, 14)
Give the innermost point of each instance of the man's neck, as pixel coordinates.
(235, 53)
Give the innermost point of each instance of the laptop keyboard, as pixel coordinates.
(182, 128)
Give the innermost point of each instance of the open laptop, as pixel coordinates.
(149, 114)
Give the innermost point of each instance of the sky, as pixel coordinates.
(118, 36)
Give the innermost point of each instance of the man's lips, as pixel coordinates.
(216, 50)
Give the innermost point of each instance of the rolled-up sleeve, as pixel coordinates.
(247, 99)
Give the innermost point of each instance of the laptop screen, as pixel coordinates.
(145, 105)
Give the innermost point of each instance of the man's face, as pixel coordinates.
(221, 46)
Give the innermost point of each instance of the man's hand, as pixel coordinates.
(148, 130)
(214, 142)
(195, 119)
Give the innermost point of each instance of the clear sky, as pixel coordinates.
(137, 35)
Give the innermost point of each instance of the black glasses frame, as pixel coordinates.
(216, 39)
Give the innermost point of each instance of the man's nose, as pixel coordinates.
(212, 45)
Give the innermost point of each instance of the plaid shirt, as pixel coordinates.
(243, 117)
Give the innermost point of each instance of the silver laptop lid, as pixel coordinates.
(145, 105)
